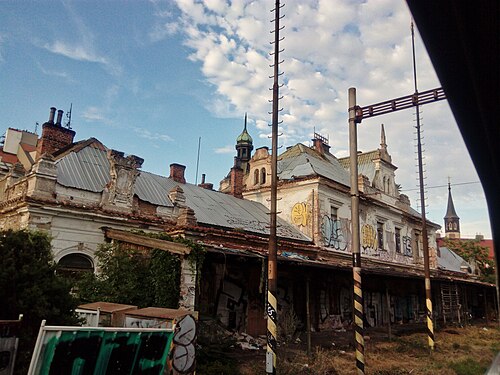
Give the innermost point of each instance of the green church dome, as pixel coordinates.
(244, 137)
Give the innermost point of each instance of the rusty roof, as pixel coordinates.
(87, 167)
(159, 312)
(107, 307)
(302, 161)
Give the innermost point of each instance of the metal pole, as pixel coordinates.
(272, 284)
(425, 240)
(486, 306)
(356, 254)
(308, 317)
(197, 162)
(388, 299)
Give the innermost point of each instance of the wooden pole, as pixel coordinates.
(308, 317)
(389, 328)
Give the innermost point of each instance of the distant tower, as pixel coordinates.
(451, 220)
(244, 145)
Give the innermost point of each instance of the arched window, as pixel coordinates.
(263, 176)
(383, 185)
(75, 263)
(455, 226)
(256, 177)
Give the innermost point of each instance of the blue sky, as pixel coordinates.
(151, 77)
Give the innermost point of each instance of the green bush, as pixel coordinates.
(129, 276)
(30, 286)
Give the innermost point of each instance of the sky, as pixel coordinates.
(162, 79)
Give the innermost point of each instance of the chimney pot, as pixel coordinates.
(177, 173)
(202, 178)
(59, 117)
(52, 114)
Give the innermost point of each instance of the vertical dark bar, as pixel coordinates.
(425, 240)
(356, 254)
(272, 284)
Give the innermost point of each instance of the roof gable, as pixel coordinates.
(302, 161)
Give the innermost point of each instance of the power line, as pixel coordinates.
(441, 186)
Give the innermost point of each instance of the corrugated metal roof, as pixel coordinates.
(450, 260)
(302, 161)
(366, 166)
(153, 189)
(89, 169)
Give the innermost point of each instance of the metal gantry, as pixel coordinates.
(356, 115)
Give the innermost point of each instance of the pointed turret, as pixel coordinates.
(451, 220)
(383, 143)
(384, 154)
(244, 144)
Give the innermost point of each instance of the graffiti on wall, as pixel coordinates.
(407, 250)
(336, 233)
(183, 353)
(368, 237)
(300, 214)
(83, 350)
(231, 304)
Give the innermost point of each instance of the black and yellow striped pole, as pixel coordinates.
(356, 253)
(425, 240)
(272, 277)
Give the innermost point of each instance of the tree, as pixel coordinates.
(133, 277)
(30, 286)
(472, 252)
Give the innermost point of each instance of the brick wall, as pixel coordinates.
(54, 137)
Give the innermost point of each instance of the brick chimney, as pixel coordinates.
(177, 173)
(54, 135)
(205, 185)
(236, 181)
(320, 144)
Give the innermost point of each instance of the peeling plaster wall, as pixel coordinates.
(77, 196)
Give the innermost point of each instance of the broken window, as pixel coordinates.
(380, 235)
(397, 239)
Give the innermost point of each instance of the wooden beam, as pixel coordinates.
(153, 243)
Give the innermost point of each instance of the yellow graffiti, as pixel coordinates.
(368, 237)
(299, 214)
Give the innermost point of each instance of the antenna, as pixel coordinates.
(68, 117)
(197, 162)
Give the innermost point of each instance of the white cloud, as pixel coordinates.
(147, 134)
(330, 45)
(55, 73)
(81, 52)
(84, 48)
(75, 52)
(93, 114)
(228, 149)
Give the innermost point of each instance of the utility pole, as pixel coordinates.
(425, 240)
(272, 277)
(356, 115)
(356, 253)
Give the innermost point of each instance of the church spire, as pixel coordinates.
(451, 220)
(244, 144)
(383, 143)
